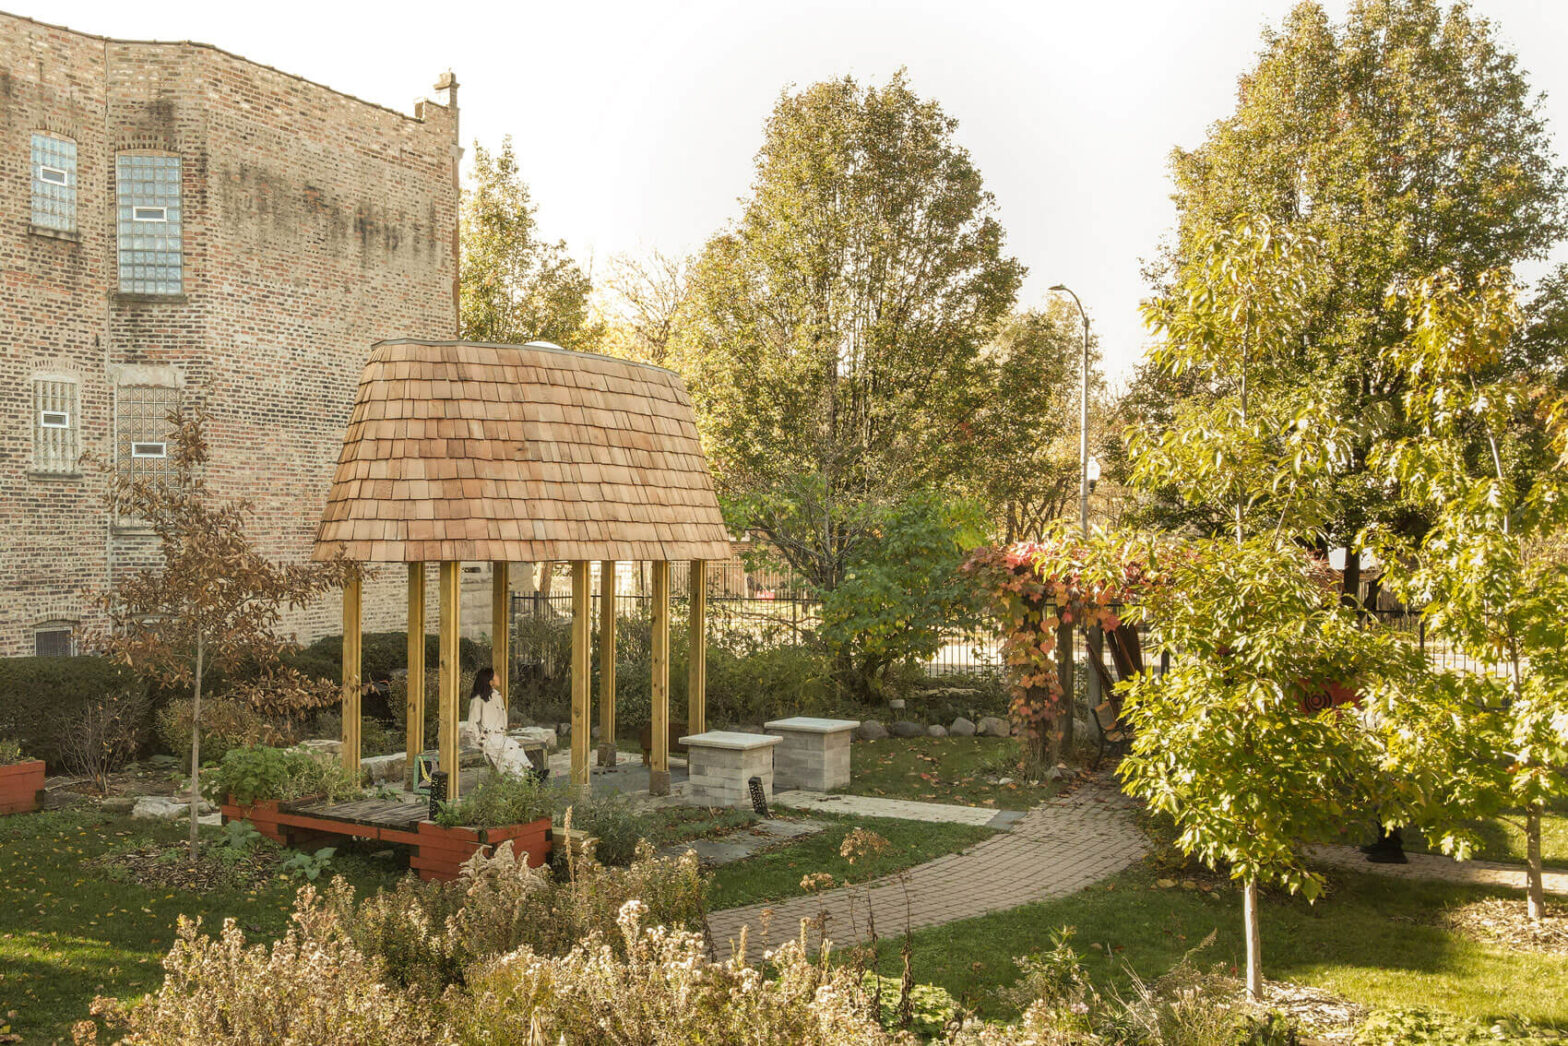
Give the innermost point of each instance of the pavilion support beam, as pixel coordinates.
(351, 673)
(450, 670)
(607, 753)
(501, 630)
(582, 669)
(415, 719)
(659, 766)
(697, 651)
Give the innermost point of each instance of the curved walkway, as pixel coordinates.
(1444, 869)
(1057, 848)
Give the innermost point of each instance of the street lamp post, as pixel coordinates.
(1083, 418)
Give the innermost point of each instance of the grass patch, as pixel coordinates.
(667, 825)
(961, 770)
(776, 874)
(69, 932)
(1374, 940)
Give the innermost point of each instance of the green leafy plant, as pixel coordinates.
(616, 826)
(259, 772)
(308, 866)
(498, 800)
(226, 724)
(10, 752)
(1433, 1028)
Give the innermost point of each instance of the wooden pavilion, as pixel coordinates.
(460, 452)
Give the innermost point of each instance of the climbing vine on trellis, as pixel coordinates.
(1038, 588)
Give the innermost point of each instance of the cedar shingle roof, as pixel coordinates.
(514, 453)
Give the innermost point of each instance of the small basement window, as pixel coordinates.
(150, 214)
(54, 419)
(54, 641)
(149, 450)
(54, 175)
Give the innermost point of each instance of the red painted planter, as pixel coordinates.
(262, 814)
(21, 787)
(442, 851)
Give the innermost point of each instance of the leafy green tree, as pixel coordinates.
(1402, 141)
(1224, 743)
(836, 330)
(516, 287)
(1491, 573)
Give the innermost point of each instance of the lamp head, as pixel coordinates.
(1059, 287)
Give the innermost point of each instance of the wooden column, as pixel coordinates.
(415, 717)
(450, 672)
(607, 753)
(582, 668)
(659, 767)
(697, 651)
(501, 629)
(351, 671)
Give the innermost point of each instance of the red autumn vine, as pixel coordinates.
(1040, 589)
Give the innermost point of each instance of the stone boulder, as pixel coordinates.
(936, 730)
(962, 728)
(160, 808)
(991, 726)
(871, 730)
(907, 728)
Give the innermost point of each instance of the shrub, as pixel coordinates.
(614, 824)
(1390, 1027)
(312, 986)
(381, 655)
(10, 752)
(225, 724)
(105, 735)
(428, 934)
(39, 696)
(498, 800)
(658, 986)
(258, 772)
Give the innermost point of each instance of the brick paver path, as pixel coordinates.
(1060, 846)
(899, 809)
(1436, 866)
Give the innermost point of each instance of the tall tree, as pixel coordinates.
(516, 287)
(213, 602)
(647, 299)
(836, 329)
(1403, 141)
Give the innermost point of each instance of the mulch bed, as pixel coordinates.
(1498, 920)
(167, 866)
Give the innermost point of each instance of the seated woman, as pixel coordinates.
(487, 719)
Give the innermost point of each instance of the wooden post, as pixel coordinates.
(501, 630)
(659, 767)
(450, 672)
(415, 719)
(582, 668)
(607, 754)
(697, 651)
(351, 670)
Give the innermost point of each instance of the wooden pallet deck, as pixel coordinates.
(380, 813)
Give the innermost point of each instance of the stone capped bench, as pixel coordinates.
(719, 763)
(813, 753)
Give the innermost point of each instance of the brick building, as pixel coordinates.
(180, 226)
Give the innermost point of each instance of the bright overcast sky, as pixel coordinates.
(636, 122)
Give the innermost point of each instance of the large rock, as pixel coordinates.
(991, 726)
(962, 728)
(907, 728)
(871, 730)
(160, 808)
(380, 769)
(936, 730)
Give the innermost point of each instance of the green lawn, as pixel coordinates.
(776, 874)
(69, 932)
(944, 770)
(1374, 940)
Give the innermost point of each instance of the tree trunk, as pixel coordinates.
(201, 652)
(1350, 591)
(1062, 728)
(1535, 888)
(1249, 907)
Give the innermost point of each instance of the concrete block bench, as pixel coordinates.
(813, 754)
(719, 764)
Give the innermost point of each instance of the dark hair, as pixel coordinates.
(482, 680)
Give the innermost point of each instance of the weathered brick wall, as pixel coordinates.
(314, 225)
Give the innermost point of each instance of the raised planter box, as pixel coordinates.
(21, 787)
(262, 814)
(441, 851)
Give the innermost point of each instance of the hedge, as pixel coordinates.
(41, 698)
(382, 653)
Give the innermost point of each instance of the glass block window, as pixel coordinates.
(148, 198)
(54, 183)
(54, 640)
(56, 428)
(143, 434)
